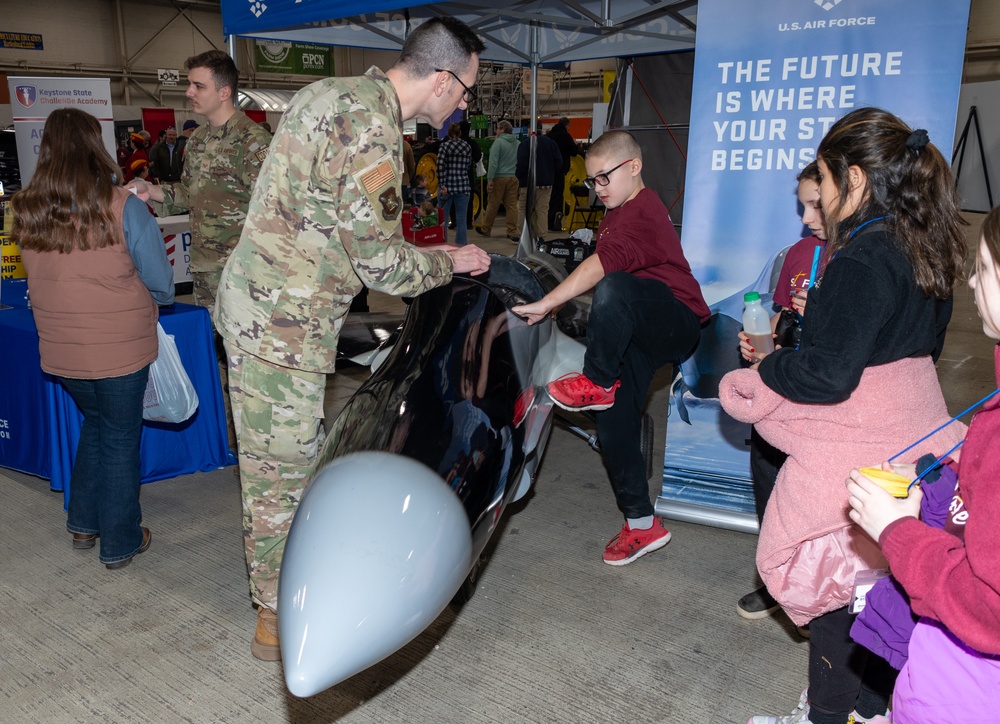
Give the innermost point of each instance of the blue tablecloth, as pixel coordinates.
(40, 424)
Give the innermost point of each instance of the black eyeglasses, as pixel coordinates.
(601, 179)
(468, 95)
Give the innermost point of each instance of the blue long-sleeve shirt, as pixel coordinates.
(145, 246)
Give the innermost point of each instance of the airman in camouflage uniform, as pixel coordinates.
(222, 159)
(324, 222)
(221, 165)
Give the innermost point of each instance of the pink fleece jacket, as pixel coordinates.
(809, 550)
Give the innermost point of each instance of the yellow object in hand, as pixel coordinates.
(895, 484)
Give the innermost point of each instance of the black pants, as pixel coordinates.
(844, 675)
(556, 202)
(765, 462)
(636, 326)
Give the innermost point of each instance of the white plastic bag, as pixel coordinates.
(170, 396)
(480, 168)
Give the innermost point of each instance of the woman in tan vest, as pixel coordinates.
(97, 268)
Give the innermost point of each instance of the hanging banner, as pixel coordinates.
(608, 81)
(546, 82)
(21, 41)
(276, 56)
(767, 86)
(33, 99)
(769, 81)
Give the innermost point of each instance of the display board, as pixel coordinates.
(33, 99)
(176, 232)
(12, 266)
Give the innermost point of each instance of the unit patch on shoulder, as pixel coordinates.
(260, 154)
(391, 204)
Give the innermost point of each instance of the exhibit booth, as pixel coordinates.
(760, 100)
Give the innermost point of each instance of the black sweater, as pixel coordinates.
(866, 311)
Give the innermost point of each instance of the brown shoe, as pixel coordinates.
(82, 541)
(265, 640)
(147, 538)
(482, 232)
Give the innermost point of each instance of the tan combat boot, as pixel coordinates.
(265, 641)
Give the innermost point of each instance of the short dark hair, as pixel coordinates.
(616, 146)
(220, 65)
(443, 42)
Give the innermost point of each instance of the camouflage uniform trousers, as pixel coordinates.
(278, 415)
(205, 288)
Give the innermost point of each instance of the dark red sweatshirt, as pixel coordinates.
(951, 580)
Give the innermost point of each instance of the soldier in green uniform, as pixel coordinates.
(324, 222)
(222, 159)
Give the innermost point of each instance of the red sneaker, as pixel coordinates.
(522, 405)
(575, 391)
(631, 544)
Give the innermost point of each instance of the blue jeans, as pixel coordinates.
(461, 202)
(636, 326)
(104, 487)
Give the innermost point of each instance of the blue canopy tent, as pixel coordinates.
(528, 32)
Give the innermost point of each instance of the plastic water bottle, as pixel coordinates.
(757, 324)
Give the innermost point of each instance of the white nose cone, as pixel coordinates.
(378, 547)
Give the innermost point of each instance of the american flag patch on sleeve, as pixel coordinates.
(378, 177)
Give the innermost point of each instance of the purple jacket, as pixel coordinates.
(886, 623)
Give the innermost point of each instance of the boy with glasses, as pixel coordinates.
(647, 311)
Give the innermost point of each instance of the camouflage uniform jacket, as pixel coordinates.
(220, 169)
(324, 221)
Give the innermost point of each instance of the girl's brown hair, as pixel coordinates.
(810, 173)
(991, 234)
(68, 203)
(909, 183)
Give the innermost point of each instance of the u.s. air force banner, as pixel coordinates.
(769, 80)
